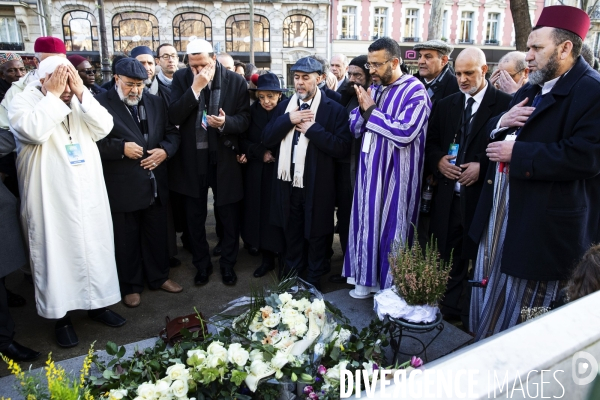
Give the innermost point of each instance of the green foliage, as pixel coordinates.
(419, 276)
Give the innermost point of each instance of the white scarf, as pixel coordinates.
(285, 148)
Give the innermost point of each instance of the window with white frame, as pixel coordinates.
(10, 34)
(445, 24)
(491, 32)
(379, 22)
(411, 24)
(466, 27)
(348, 23)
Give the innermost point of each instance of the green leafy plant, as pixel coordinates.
(419, 276)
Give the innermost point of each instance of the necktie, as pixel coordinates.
(468, 113)
(303, 106)
(134, 114)
(464, 132)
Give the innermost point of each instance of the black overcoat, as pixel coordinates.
(554, 181)
(256, 228)
(329, 138)
(444, 124)
(183, 169)
(127, 182)
(444, 87)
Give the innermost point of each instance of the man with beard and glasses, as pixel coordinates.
(457, 136)
(345, 168)
(146, 56)
(134, 156)
(308, 132)
(87, 73)
(538, 212)
(65, 210)
(212, 107)
(392, 119)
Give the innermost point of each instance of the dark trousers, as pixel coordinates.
(7, 325)
(295, 242)
(229, 214)
(454, 302)
(141, 248)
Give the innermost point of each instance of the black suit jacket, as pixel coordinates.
(554, 180)
(342, 86)
(444, 87)
(445, 122)
(127, 183)
(329, 138)
(235, 102)
(332, 94)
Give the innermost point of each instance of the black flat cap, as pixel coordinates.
(131, 68)
(307, 65)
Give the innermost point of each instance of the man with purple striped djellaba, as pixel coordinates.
(392, 119)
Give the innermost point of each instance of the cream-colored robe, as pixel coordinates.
(64, 210)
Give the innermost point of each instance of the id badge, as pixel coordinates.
(366, 146)
(453, 151)
(510, 138)
(74, 154)
(295, 152)
(204, 123)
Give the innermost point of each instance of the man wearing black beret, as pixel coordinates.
(133, 158)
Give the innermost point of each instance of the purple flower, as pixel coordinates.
(317, 379)
(321, 370)
(308, 389)
(313, 396)
(375, 367)
(415, 362)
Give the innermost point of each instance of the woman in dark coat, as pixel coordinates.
(256, 229)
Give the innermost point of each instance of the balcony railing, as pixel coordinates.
(411, 39)
(348, 37)
(492, 42)
(470, 41)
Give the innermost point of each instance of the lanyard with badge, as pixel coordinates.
(74, 153)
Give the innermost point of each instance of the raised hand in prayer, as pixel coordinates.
(447, 169)
(364, 97)
(133, 150)
(56, 82)
(75, 82)
(516, 116)
(202, 76)
(470, 175)
(298, 116)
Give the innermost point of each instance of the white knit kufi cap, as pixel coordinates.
(50, 64)
(199, 46)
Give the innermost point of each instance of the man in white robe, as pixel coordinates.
(65, 209)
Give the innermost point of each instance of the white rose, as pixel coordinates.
(213, 361)
(179, 388)
(272, 320)
(237, 355)
(302, 304)
(146, 391)
(318, 306)
(285, 297)
(256, 354)
(289, 316)
(258, 368)
(300, 329)
(162, 387)
(117, 394)
(217, 350)
(255, 325)
(178, 371)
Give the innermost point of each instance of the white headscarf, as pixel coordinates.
(50, 64)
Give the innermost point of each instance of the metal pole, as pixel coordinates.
(106, 73)
(252, 32)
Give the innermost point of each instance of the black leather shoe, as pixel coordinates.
(66, 336)
(202, 275)
(174, 262)
(253, 251)
(263, 270)
(109, 318)
(228, 276)
(17, 352)
(217, 250)
(337, 278)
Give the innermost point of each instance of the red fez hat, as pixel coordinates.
(571, 19)
(49, 44)
(76, 59)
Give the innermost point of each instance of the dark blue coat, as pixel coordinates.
(330, 138)
(554, 207)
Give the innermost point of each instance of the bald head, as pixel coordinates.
(515, 64)
(226, 61)
(470, 68)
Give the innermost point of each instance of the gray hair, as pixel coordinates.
(323, 62)
(514, 56)
(343, 58)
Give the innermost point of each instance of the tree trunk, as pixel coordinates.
(434, 30)
(520, 13)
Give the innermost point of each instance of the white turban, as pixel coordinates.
(50, 64)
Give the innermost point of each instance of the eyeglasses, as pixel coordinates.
(88, 71)
(131, 85)
(377, 65)
(167, 57)
(519, 71)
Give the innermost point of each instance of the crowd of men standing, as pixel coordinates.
(107, 175)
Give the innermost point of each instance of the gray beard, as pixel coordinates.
(541, 76)
(126, 99)
(307, 95)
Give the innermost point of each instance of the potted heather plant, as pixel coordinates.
(420, 279)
